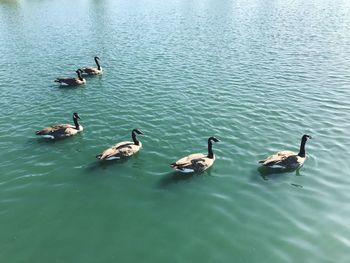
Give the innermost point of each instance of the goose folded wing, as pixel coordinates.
(109, 152)
(54, 128)
(119, 149)
(89, 70)
(288, 161)
(187, 161)
(199, 164)
(276, 158)
(126, 150)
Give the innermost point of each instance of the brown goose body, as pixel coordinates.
(196, 162)
(119, 150)
(92, 70)
(61, 130)
(284, 159)
(287, 159)
(122, 149)
(72, 81)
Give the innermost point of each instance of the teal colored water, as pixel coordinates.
(256, 74)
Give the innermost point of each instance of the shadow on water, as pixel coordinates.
(102, 165)
(48, 141)
(268, 173)
(68, 87)
(91, 77)
(176, 177)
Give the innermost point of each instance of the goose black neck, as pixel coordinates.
(210, 149)
(98, 64)
(133, 135)
(79, 76)
(75, 120)
(302, 147)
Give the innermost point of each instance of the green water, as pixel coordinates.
(256, 74)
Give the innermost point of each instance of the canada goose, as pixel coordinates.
(122, 149)
(72, 81)
(61, 130)
(93, 71)
(196, 162)
(288, 159)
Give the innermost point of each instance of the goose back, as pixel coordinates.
(120, 150)
(197, 162)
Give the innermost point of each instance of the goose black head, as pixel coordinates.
(76, 116)
(214, 139)
(97, 58)
(137, 131)
(306, 137)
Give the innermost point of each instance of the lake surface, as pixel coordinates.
(256, 74)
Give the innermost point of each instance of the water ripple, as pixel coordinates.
(256, 75)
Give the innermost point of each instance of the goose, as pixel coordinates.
(72, 81)
(93, 71)
(288, 159)
(61, 130)
(122, 149)
(197, 162)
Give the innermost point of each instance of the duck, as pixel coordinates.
(288, 159)
(92, 70)
(196, 162)
(61, 130)
(122, 149)
(72, 81)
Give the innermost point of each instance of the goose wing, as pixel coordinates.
(90, 70)
(278, 158)
(67, 81)
(122, 149)
(54, 129)
(195, 162)
(291, 161)
(70, 81)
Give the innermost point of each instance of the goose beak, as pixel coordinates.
(216, 139)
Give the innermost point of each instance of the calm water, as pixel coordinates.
(257, 74)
